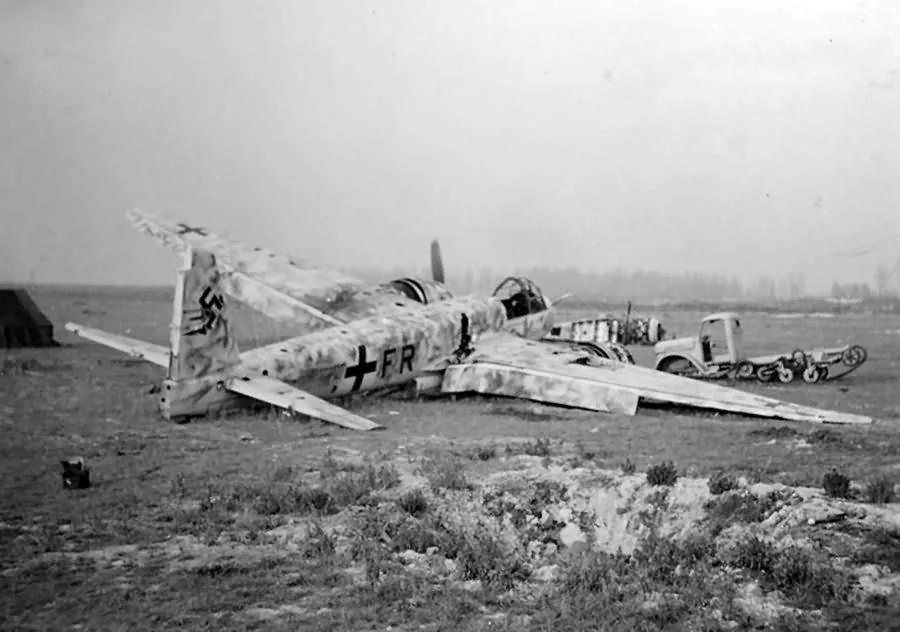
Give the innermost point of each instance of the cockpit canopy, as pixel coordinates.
(420, 290)
(520, 296)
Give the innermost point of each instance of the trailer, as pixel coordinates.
(718, 352)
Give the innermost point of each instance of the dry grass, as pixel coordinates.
(196, 509)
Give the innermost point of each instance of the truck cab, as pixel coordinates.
(719, 342)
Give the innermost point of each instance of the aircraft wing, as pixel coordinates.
(157, 354)
(280, 287)
(503, 364)
(291, 399)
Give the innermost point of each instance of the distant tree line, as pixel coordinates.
(643, 285)
(614, 285)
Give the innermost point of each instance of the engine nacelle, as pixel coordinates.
(421, 290)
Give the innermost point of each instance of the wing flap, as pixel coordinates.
(157, 354)
(287, 397)
(554, 387)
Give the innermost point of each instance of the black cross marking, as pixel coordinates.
(465, 338)
(183, 229)
(361, 370)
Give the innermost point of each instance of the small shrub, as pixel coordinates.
(824, 436)
(547, 492)
(538, 447)
(774, 432)
(755, 554)
(315, 500)
(836, 484)
(800, 575)
(482, 556)
(593, 571)
(720, 483)
(742, 507)
(795, 571)
(444, 472)
(628, 467)
(663, 556)
(283, 472)
(485, 452)
(881, 546)
(349, 488)
(420, 535)
(414, 502)
(318, 543)
(585, 453)
(880, 491)
(662, 474)
(330, 465)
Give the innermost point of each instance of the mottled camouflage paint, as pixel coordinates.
(290, 290)
(502, 350)
(560, 388)
(319, 362)
(289, 283)
(291, 399)
(202, 342)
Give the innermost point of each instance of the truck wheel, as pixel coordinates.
(679, 366)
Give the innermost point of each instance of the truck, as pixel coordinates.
(718, 352)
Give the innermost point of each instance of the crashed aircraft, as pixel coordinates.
(366, 338)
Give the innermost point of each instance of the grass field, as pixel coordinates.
(471, 514)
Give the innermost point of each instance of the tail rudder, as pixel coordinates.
(201, 336)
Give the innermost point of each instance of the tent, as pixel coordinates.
(22, 323)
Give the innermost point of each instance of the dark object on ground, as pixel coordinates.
(75, 475)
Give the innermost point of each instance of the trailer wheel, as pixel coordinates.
(745, 370)
(854, 356)
(765, 374)
(812, 374)
(786, 375)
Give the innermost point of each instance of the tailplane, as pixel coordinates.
(203, 351)
(201, 337)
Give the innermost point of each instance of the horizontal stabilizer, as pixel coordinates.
(551, 387)
(157, 354)
(277, 393)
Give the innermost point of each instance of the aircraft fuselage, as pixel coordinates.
(377, 352)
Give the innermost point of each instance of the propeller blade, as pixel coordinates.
(562, 297)
(437, 262)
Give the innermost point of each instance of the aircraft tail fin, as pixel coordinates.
(201, 336)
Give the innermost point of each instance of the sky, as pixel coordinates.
(743, 138)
